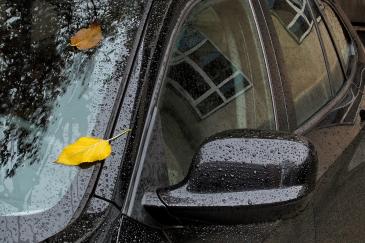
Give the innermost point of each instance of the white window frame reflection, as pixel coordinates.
(300, 13)
(180, 57)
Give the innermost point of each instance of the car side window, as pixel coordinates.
(334, 65)
(302, 55)
(340, 34)
(216, 81)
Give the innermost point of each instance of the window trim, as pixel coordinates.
(325, 110)
(151, 113)
(323, 47)
(272, 70)
(353, 47)
(279, 86)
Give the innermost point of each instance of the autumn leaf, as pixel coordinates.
(87, 150)
(87, 38)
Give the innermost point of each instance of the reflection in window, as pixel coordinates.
(216, 81)
(295, 16)
(334, 65)
(306, 71)
(340, 35)
(203, 75)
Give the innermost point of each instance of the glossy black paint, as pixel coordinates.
(239, 174)
(146, 70)
(282, 96)
(280, 91)
(99, 221)
(133, 231)
(142, 82)
(246, 159)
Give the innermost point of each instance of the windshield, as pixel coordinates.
(51, 94)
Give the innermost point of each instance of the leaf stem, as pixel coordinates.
(119, 135)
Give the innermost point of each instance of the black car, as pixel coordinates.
(238, 108)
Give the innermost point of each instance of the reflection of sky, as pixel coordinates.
(45, 182)
(40, 186)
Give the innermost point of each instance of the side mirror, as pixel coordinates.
(241, 176)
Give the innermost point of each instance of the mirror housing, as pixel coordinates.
(241, 176)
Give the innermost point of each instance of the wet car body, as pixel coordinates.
(100, 209)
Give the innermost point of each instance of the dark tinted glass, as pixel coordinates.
(209, 104)
(183, 73)
(340, 35)
(190, 39)
(334, 64)
(218, 49)
(299, 27)
(303, 57)
(234, 86)
(212, 61)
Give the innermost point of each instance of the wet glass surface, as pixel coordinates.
(238, 96)
(210, 103)
(234, 86)
(51, 94)
(183, 73)
(214, 64)
(301, 49)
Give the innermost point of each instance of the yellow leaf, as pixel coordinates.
(85, 150)
(87, 38)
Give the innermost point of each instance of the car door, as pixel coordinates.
(343, 122)
(334, 129)
(220, 75)
(322, 72)
(238, 82)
